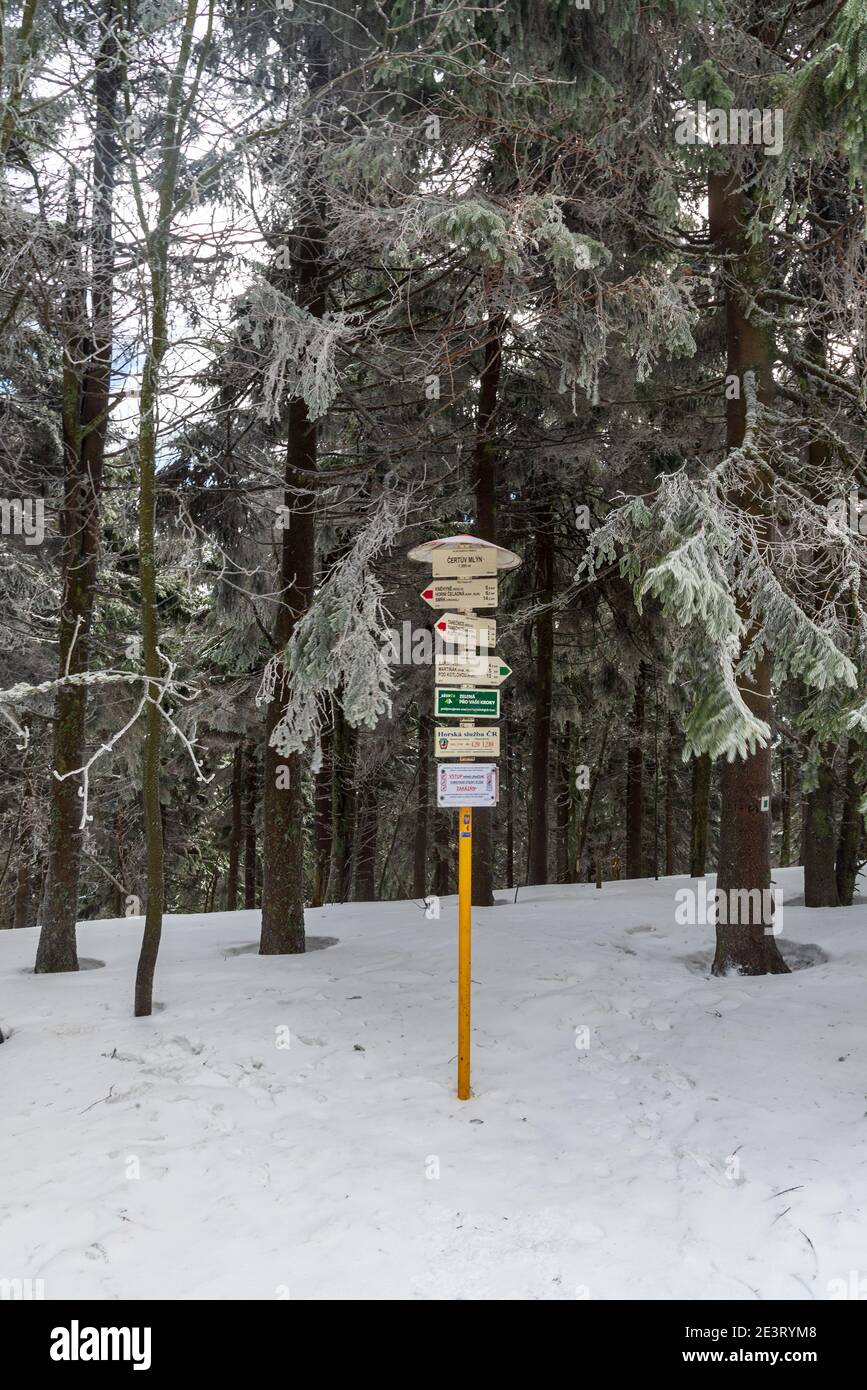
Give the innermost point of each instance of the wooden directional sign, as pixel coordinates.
(461, 631)
(461, 593)
(464, 554)
(464, 560)
(467, 784)
(466, 703)
(466, 743)
(469, 668)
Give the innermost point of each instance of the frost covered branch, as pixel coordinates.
(339, 648)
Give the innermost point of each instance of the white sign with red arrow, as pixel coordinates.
(458, 630)
(461, 593)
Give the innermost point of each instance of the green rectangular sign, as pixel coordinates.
(467, 702)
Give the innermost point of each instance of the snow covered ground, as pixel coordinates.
(710, 1142)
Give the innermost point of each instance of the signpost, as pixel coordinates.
(468, 668)
(459, 630)
(464, 578)
(466, 702)
(461, 593)
(467, 784)
(461, 742)
(463, 560)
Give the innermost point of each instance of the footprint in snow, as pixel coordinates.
(672, 1077)
(662, 1025)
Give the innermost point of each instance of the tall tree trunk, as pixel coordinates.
(443, 854)
(850, 830)
(702, 770)
(422, 807)
(85, 423)
(236, 828)
(537, 867)
(322, 812)
(157, 242)
(365, 844)
(744, 874)
(509, 764)
(251, 788)
(283, 797)
(486, 529)
(564, 805)
(747, 946)
(211, 895)
(635, 780)
(152, 810)
(820, 880)
(588, 806)
(343, 808)
(671, 748)
(122, 888)
(785, 804)
(22, 908)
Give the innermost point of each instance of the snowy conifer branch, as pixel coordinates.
(339, 648)
(299, 350)
(711, 567)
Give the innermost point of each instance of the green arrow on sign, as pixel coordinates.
(470, 668)
(466, 702)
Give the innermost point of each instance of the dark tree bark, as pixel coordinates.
(820, 880)
(422, 807)
(86, 386)
(444, 854)
(486, 529)
(251, 793)
(283, 793)
(702, 770)
(670, 765)
(236, 827)
(588, 807)
(365, 844)
(564, 805)
(785, 805)
(508, 761)
(537, 867)
(343, 808)
(211, 895)
(23, 902)
(322, 813)
(849, 840)
(748, 946)
(635, 780)
(122, 889)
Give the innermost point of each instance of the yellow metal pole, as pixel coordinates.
(465, 898)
